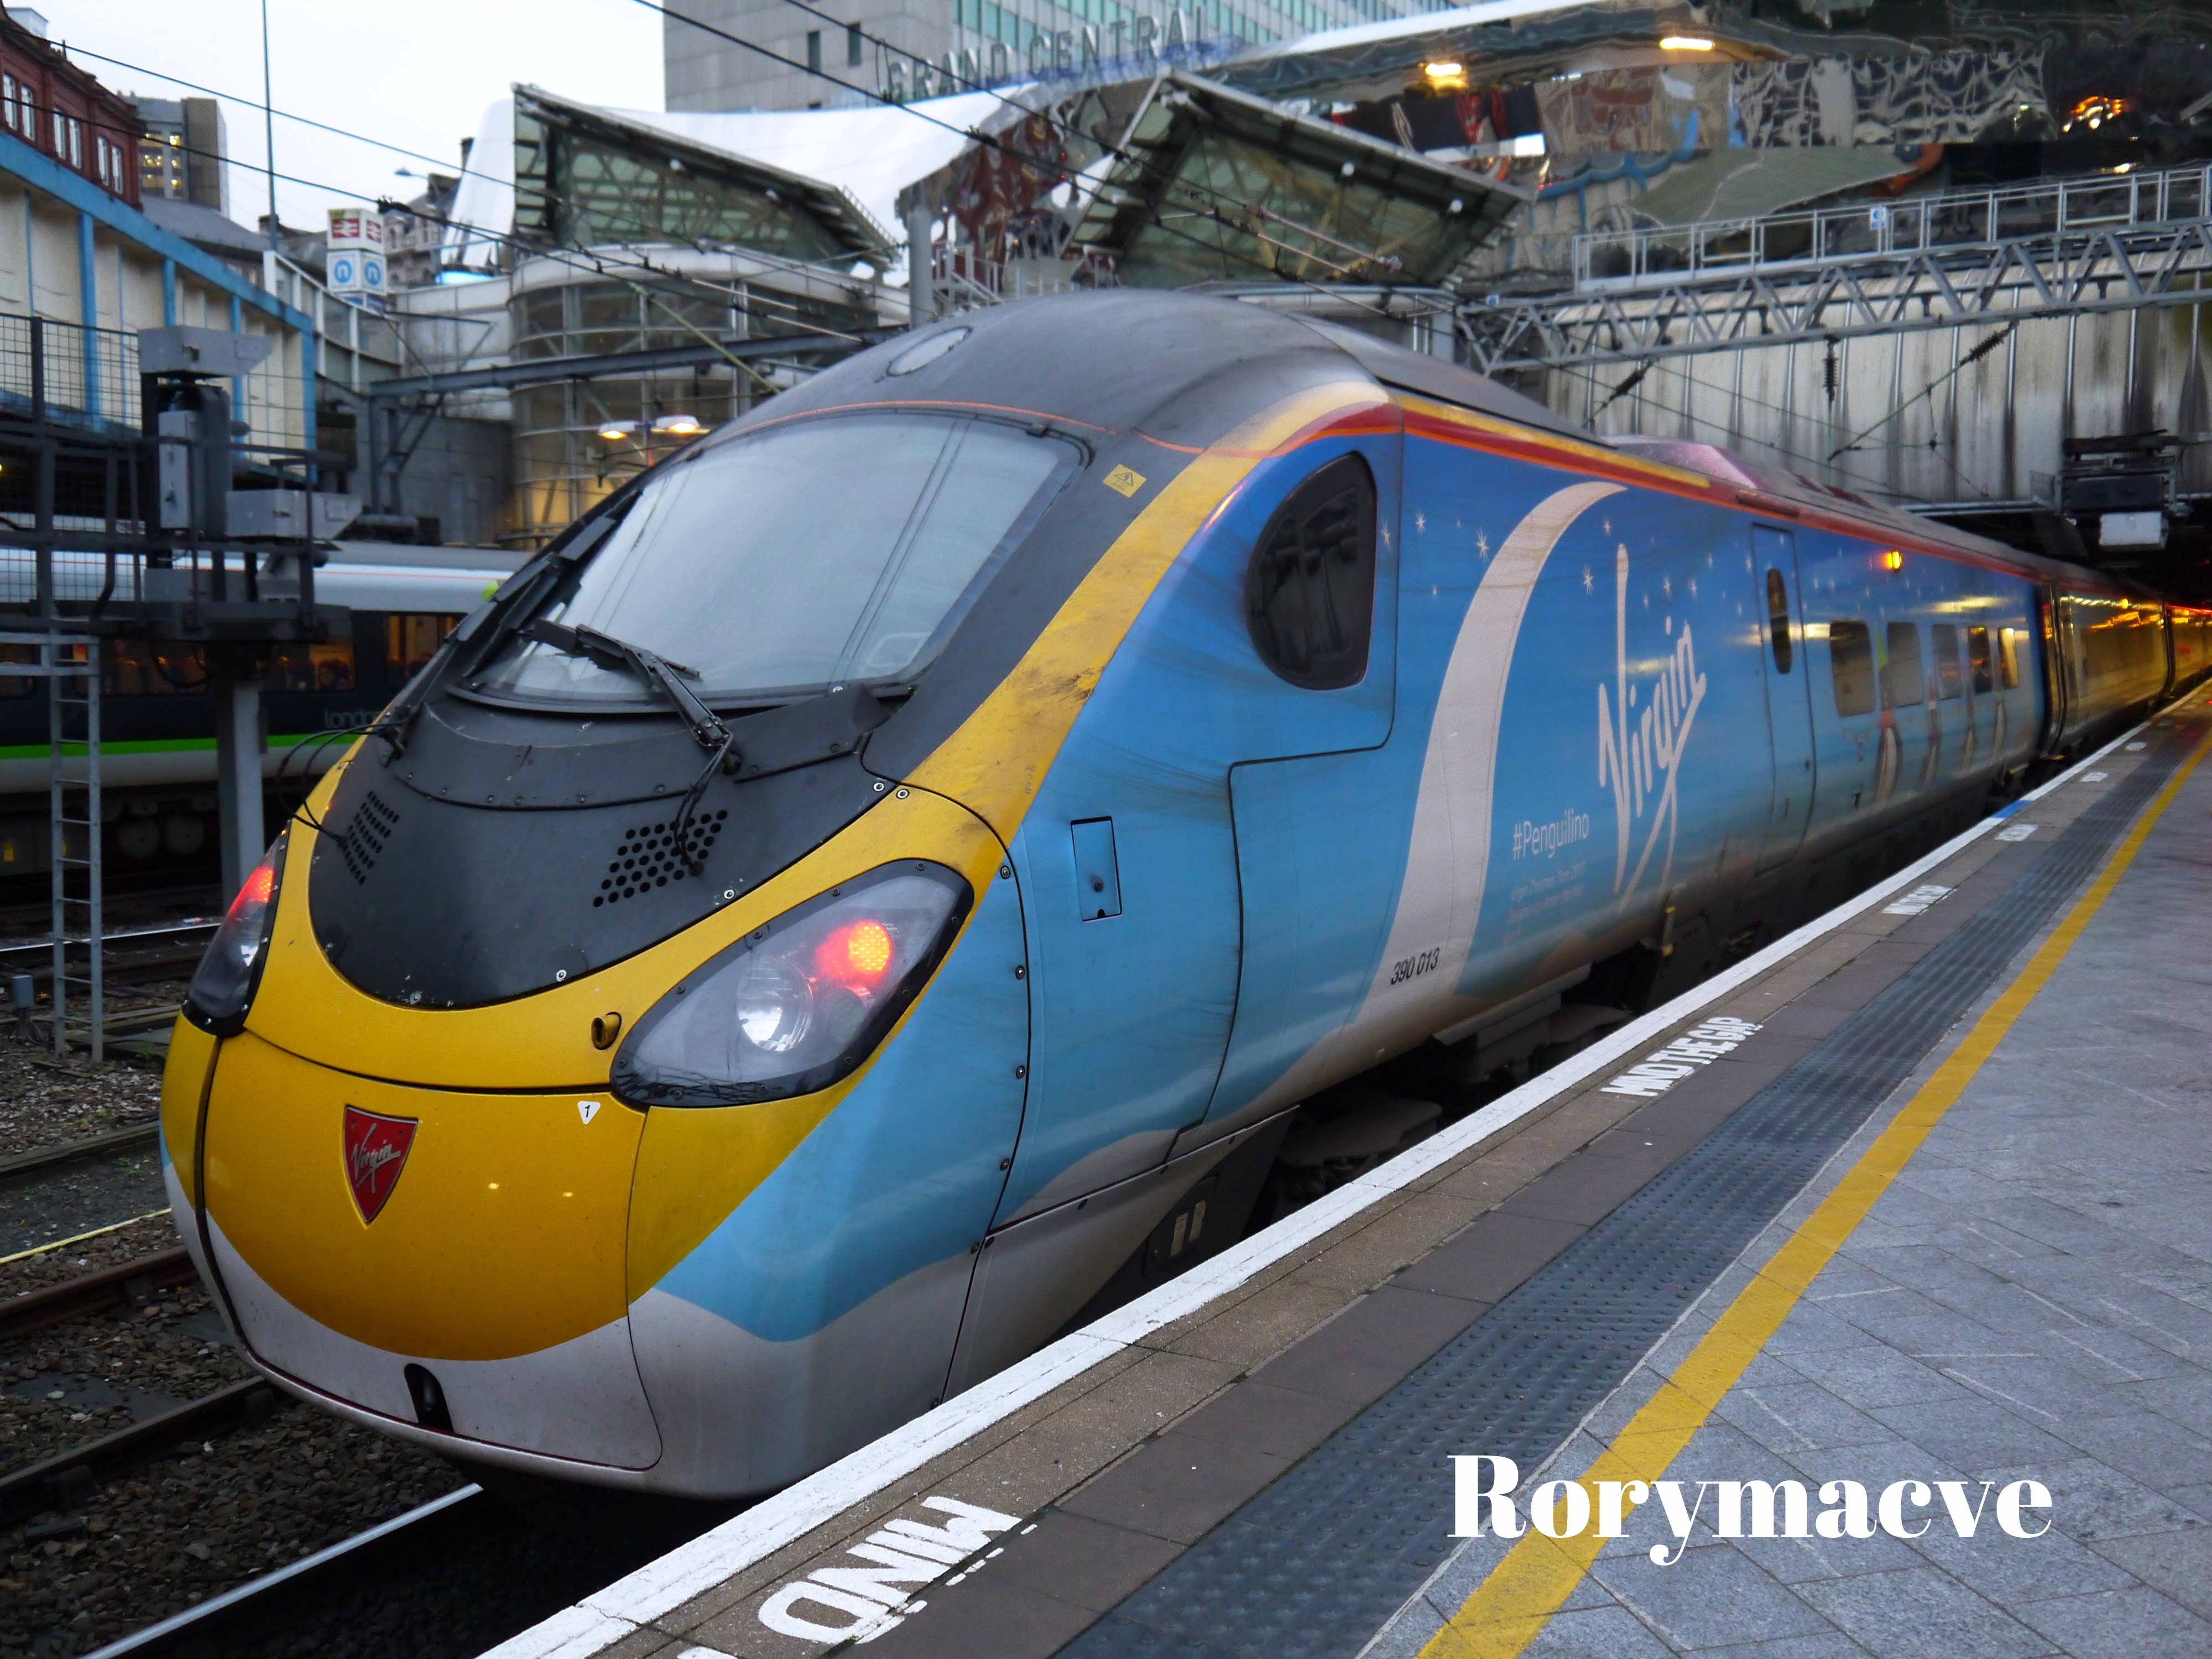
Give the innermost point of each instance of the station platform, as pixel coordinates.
(1922, 1193)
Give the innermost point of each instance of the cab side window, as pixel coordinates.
(1977, 657)
(1850, 662)
(1309, 590)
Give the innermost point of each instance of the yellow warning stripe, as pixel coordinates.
(1510, 1607)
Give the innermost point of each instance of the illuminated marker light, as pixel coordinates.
(1893, 560)
(256, 890)
(856, 956)
(1686, 43)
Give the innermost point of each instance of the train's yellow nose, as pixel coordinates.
(429, 1223)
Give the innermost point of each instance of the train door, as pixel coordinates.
(1788, 694)
(1129, 860)
(1276, 637)
(1314, 884)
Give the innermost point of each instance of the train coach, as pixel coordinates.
(885, 884)
(157, 762)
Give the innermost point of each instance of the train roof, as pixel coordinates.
(1182, 368)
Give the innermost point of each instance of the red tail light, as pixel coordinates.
(230, 973)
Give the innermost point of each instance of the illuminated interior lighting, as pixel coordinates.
(2094, 111)
(1446, 71)
(1686, 43)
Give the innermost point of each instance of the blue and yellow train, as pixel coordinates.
(881, 884)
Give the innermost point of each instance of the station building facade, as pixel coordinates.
(974, 42)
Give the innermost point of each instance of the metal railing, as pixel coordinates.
(1966, 221)
(89, 375)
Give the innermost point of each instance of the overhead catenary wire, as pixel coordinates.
(1657, 365)
(386, 204)
(599, 259)
(1060, 127)
(1008, 150)
(1971, 357)
(1588, 372)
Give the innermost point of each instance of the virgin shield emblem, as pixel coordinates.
(376, 1152)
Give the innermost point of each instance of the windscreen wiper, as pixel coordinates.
(484, 630)
(607, 651)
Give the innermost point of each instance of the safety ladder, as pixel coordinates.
(73, 808)
(70, 663)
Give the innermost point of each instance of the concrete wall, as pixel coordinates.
(1992, 431)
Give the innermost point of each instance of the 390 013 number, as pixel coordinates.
(1414, 967)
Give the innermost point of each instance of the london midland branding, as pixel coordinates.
(1484, 1507)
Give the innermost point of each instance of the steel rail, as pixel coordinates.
(47, 1484)
(73, 1152)
(203, 1629)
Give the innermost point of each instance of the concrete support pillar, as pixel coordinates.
(920, 302)
(239, 745)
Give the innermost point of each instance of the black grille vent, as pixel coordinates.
(372, 826)
(650, 858)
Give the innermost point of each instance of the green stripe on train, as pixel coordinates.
(167, 745)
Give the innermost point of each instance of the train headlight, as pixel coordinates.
(229, 975)
(798, 1004)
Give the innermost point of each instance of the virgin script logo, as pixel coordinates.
(1639, 752)
(376, 1152)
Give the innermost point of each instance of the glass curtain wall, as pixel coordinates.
(577, 440)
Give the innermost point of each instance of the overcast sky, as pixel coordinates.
(416, 73)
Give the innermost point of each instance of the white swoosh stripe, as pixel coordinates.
(1448, 865)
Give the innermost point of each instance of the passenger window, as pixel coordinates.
(409, 641)
(2008, 656)
(17, 685)
(1777, 620)
(1977, 657)
(1903, 682)
(1948, 681)
(1850, 660)
(132, 668)
(1309, 591)
(325, 667)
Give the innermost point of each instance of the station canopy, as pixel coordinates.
(587, 178)
(1211, 185)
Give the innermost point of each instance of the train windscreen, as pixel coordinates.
(827, 551)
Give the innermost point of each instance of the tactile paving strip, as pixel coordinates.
(1316, 1563)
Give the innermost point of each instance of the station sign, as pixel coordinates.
(354, 263)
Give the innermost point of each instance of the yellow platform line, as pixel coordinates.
(1508, 1609)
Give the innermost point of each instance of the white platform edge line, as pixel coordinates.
(663, 1585)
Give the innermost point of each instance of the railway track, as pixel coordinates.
(64, 1479)
(443, 1580)
(232, 1622)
